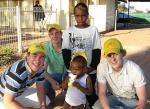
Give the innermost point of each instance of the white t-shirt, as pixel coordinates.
(123, 83)
(85, 39)
(74, 96)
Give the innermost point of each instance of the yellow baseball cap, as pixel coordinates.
(112, 45)
(36, 47)
(80, 53)
(56, 26)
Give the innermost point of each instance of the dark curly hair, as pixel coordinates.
(81, 60)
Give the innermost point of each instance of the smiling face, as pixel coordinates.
(54, 35)
(35, 61)
(116, 61)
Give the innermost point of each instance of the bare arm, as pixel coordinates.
(11, 103)
(141, 93)
(41, 95)
(88, 90)
(64, 84)
(102, 88)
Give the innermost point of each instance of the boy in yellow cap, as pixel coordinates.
(21, 75)
(54, 63)
(123, 80)
(79, 83)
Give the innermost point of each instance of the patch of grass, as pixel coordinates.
(135, 18)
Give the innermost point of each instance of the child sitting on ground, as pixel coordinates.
(78, 82)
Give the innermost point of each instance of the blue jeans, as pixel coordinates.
(117, 103)
(50, 92)
(124, 103)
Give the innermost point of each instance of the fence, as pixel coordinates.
(8, 30)
(18, 28)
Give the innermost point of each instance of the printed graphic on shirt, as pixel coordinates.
(80, 42)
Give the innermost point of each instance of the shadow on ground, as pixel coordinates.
(130, 26)
(143, 59)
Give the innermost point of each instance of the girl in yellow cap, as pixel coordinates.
(79, 84)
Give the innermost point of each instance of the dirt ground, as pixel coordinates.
(136, 42)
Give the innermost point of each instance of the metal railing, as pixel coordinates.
(18, 28)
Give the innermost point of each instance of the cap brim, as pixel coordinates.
(116, 51)
(38, 51)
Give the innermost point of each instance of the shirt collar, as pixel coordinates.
(28, 68)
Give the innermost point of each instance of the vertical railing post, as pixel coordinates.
(116, 14)
(18, 29)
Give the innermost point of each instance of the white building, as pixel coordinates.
(141, 6)
(102, 12)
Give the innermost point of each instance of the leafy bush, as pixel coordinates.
(7, 56)
(6, 51)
